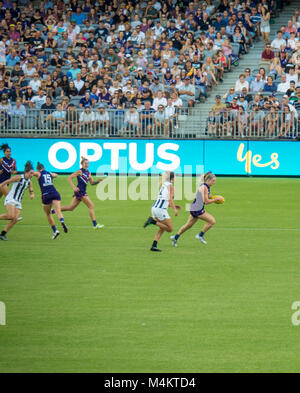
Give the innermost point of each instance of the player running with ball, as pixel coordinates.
(197, 211)
(160, 216)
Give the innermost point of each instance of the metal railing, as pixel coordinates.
(183, 123)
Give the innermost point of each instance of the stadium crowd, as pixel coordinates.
(109, 67)
(265, 101)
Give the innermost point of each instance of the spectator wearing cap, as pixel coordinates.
(14, 35)
(270, 86)
(219, 23)
(87, 120)
(187, 93)
(243, 102)
(73, 71)
(132, 120)
(156, 86)
(161, 121)
(234, 104)
(167, 77)
(257, 85)
(218, 106)
(102, 121)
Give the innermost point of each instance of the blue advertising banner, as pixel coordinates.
(259, 158)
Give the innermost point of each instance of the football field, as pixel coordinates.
(100, 301)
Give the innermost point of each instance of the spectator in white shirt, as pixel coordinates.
(157, 29)
(284, 85)
(159, 100)
(140, 35)
(278, 42)
(161, 121)
(78, 82)
(87, 120)
(28, 69)
(132, 120)
(241, 83)
(292, 76)
(176, 101)
(35, 83)
(39, 100)
(102, 120)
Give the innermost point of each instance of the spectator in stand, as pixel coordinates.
(265, 24)
(132, 121)
(241, 83)
(284, 85)
(57, 118)
(72, 120)
(19, 111)
(159, 100)
(102, 121)
(187, 93)
(267, 54)
(161, 121)
(278, 42)
(257, 85)
(87, 120)
(218, 106)
(39, 100)
(228, 97)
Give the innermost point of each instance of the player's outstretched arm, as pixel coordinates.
(11, 180)
(93, 182)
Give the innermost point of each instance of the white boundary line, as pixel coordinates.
(137, 227)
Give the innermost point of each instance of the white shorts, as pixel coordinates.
(265, 29)
(12, 202)
(160, 214)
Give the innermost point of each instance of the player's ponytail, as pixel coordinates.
(40, 166)
(28, 167)
(4, 147)
(83, 160)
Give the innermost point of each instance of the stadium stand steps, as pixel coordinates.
(195, 123)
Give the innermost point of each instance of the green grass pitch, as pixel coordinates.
(100, 301)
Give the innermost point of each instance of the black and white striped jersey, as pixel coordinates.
(18, 188)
